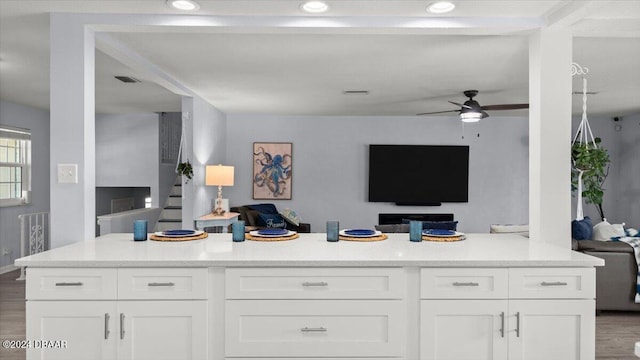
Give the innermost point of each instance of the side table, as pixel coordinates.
(223, 220)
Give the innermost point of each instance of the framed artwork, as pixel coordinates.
(272, 172)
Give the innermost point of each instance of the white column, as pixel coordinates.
(72, 59)
(550, 52)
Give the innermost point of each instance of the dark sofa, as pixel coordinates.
(616, 280)
(250, 217)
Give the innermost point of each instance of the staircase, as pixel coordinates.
(171, 215)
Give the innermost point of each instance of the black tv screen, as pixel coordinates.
(418, 174)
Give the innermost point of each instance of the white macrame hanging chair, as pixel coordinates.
(583, 134)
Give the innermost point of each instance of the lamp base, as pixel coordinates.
(218, 211)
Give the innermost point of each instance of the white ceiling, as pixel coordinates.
(289, 70)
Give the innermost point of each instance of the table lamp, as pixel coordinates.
(219, 175)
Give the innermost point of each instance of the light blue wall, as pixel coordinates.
(37, 121)
(330, 178)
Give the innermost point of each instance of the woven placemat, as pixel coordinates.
(443, 238)
(263, 238)
(364, 239)
(183, 238)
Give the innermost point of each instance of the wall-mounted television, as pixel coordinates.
(418, 174)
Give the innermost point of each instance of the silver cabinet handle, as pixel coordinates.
(556, 283)
(69, 284)
(106, 326)
(502, 324)
(517, 324)
(466, 284)
(318, 329)
(121, 326)
(161, 284)
(319, 283)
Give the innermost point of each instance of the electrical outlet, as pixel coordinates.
(67, 173)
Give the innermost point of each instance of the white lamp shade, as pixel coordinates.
(219, 175)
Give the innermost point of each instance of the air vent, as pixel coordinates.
(356, 92)
(127, 79)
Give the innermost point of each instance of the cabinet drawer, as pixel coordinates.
(314, 283)
(162, 283)
(463, 283)
(552, 283)
(71, 284)
(308, 328)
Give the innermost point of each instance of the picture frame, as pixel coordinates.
(272, 170)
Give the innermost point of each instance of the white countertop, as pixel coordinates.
(478, 250)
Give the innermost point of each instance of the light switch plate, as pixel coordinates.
(67, 173)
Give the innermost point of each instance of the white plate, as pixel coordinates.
(256, 234)
(343, 233)
(452, 235)
(161, 233)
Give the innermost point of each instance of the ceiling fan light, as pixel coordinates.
(441, 7)
(184, 5)
(470, 116)
(315, 7)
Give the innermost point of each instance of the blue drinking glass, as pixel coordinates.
(332, 230)
(140, 230)
(237, 230)
(415, 230)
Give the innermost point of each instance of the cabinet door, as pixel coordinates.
(552, 329)
(87, 327)
(463, 329)
(162, 330)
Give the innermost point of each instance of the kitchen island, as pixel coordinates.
(487, 297)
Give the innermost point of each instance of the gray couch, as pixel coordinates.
(616, 280)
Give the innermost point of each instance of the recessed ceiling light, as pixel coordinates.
(441, 7)
(185, 5)
(315, 7)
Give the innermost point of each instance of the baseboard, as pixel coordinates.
(6, 269)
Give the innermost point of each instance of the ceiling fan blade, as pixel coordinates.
(505, 107)
(461, 105)
(484, 114)
(438, 112)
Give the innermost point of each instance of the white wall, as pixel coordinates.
(38, 122)
(127, 151)
(206, 129)
(330, 158)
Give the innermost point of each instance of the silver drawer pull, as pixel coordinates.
(465, 284)
(69, 284)
(557, 283)
(161, 284)
(319, 283)
(318, 329)
(121, 326)
(106, 326)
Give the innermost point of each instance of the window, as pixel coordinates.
(15, 166)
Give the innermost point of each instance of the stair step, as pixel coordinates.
(173, 207)
(173, 201)
(170, 220)
(175, 196)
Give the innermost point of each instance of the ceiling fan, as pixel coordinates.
(472, 111)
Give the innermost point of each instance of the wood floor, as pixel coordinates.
(616, 332)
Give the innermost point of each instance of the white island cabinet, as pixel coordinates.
(488, 297)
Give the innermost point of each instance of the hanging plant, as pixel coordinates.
(593, 161)
(185, 169)
(589, 158)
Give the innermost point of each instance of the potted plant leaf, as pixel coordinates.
(185, 169)
(591, 165)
